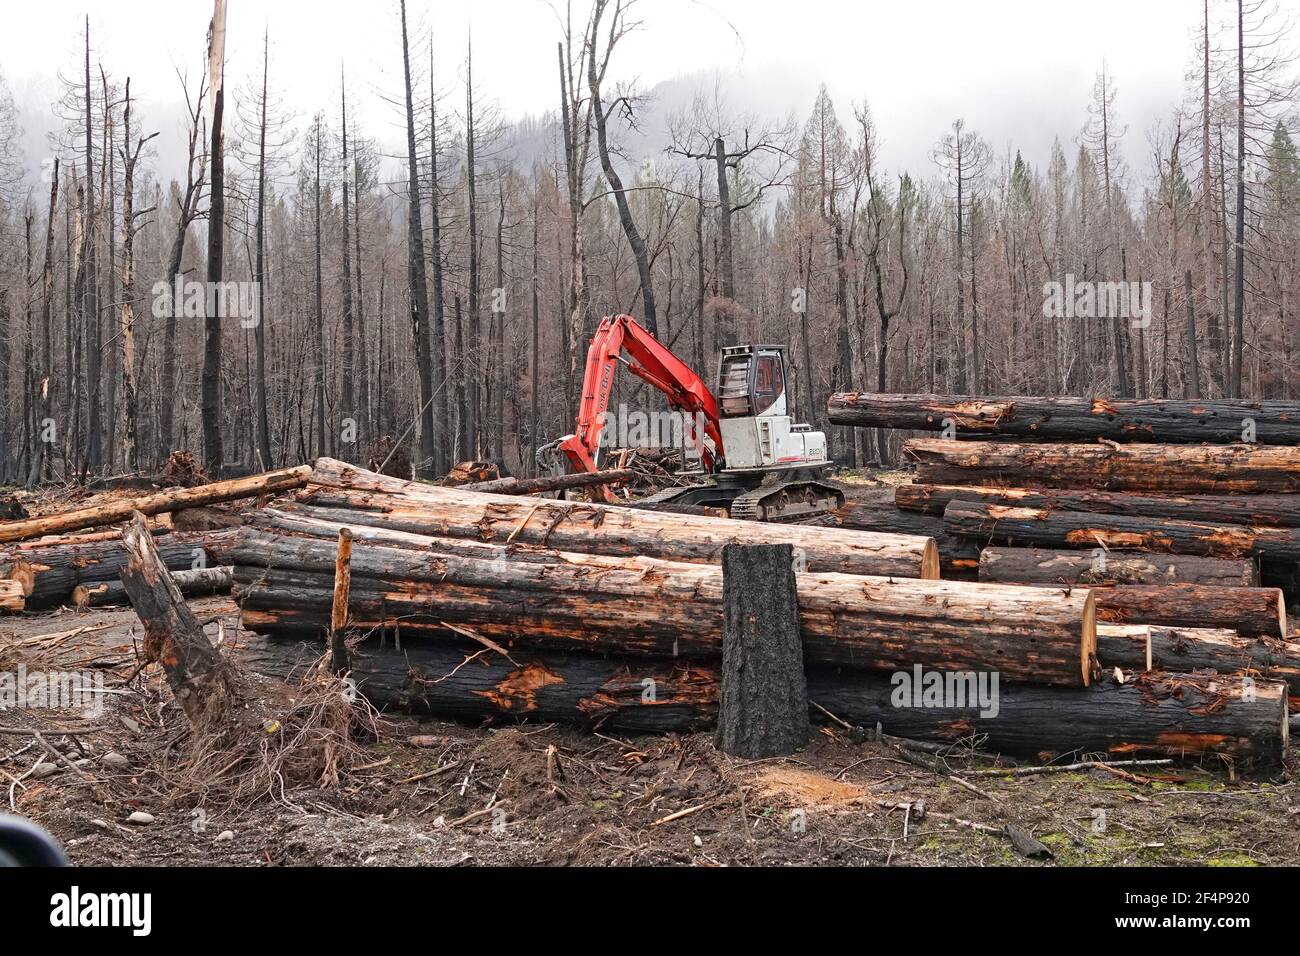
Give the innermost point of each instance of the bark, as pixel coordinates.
(194, 668)
(958, 557)
(1281, 511)
(120, 509)
(50, 576)
(1252, 612)
(763, 704)
(602, 529)
(1164, 715)
(533, 486)
(432, 460)
(1157, 468)
(1073, 419)
(213, 454)
(191, 582)
(1170, 715)
(1081, 529)
(1103, 569)
(1184, 650)
(651, 607)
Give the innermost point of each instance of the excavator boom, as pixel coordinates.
(652, 362)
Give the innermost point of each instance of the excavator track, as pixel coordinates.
(787, 501)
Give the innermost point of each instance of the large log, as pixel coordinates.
(958, 557)
(1102, 568)
(49, 576)
(1187, 649)
(1073, 419)
(646, 606)
(1084, 529)
(120, 509)
(603, 529)
(548, 483)
(1279, 511)
(1160, 468)
(1156, 714)
(1181, 716)
(1253, 612)
(191, 582)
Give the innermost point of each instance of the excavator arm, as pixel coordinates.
(653, 362)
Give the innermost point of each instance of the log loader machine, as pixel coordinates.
(755, 463)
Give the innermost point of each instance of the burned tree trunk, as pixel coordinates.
(1102, 568)
(958, 557)
(1164, 715)
(195, 582)
(1279, 511)
(172, 635)
(1212, 469)
(763, 709)
(1082, 529)
(1073, 419)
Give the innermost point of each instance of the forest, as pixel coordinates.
(299, 292)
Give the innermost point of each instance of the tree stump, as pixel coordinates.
(172, 634)
(763, 710)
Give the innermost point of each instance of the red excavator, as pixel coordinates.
(754, 462)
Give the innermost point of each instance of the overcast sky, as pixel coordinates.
(1019, 71)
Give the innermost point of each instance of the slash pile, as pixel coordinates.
(470, 604)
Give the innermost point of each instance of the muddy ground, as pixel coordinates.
(429, 792)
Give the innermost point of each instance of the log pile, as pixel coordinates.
(1173, 513)
(472, 604)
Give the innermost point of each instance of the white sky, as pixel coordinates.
(1019, 71)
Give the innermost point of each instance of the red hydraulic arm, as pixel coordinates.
(656, 364)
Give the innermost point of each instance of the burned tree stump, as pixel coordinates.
(339, 609)
(763, 710)
(194, 667)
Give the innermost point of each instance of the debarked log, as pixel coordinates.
(1082, 529)
(660, 608)
(381, 501)
(1170, 715)
(1212, 469)
(1101, 568)
(1073, 418)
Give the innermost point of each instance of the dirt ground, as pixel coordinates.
(429, 792)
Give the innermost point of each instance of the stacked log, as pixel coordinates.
(1157, 714)
(192, 583)
(49, 575)
(478, 605)
(958, 556)
(380, 501)
(1175, 469)
(1102, 568)
(645, 606)
(1068, 419)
